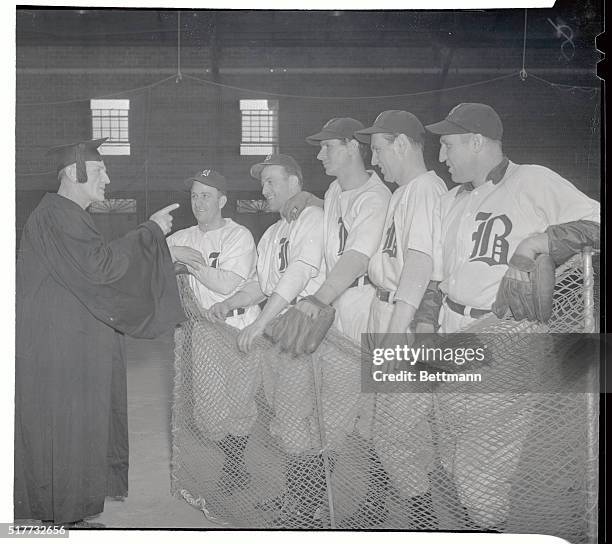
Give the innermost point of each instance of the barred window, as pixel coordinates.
(110, 119)
(259, 127)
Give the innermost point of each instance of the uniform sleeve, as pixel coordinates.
(294, 280)
(437, 247)
(238, 253)
(554, 199)
(306, 254)
(128, 284)
(417, 216)
(367, 228)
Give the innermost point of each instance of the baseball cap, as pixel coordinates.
(86, 150)
(208, 177)
(470, 117)
(277, 159)
(337, 128)
(394, 122)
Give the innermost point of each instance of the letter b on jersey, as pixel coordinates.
(490, 239)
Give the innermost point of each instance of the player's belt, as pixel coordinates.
(235, 312)
(385, 296)
(360, 281)
(467, 311)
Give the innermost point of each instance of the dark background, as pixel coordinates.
(322, 60)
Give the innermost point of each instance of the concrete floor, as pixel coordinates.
(150, 504)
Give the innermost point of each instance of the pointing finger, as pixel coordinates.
(170, 208)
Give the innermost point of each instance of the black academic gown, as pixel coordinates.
(76, 296)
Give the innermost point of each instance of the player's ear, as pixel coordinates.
(295, 181)
(222, 201)
(477, 142)
(401, 143)
(353, 146)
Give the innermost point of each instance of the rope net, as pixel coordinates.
(265, 440)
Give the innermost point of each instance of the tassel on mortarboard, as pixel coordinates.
(77, 153)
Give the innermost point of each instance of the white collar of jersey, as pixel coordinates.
(494, 176)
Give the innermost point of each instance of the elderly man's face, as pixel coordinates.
(97, 180)
(206, 202)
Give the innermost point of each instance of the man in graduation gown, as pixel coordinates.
(77, 296)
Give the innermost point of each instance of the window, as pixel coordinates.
(110, 118)
(259, 127)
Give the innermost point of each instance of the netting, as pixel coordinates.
(265, 440)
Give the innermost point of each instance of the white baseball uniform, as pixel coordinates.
(290, 263)
(401, 432)
(231, 248)
(354, 220)
(479, 230)
(223, 393)
(476, 232)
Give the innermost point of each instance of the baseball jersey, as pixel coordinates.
(285, 243)
(408, 225)
(354, 219)
(231, 248)
(477, 230)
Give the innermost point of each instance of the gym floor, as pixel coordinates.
(150, 504)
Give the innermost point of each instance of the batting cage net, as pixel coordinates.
(266, 440)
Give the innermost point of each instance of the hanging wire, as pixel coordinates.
(563, 86)
(253, 91)
(110, 95)
(419, 93)
(523, 72)
(179, 76)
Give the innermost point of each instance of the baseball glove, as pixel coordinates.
(531, 296)
(302, 328)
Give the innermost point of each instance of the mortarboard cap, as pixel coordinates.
(66, 154)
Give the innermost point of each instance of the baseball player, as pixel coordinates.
(400, 271)
(289, 267)
(355, 205)
(500, 214)
(220, 256)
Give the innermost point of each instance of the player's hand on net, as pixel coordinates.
(247, 336)
(295, 206)
(302, 328)
(424, 328)
(163, 218)
(217, 313)
(391, 340)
